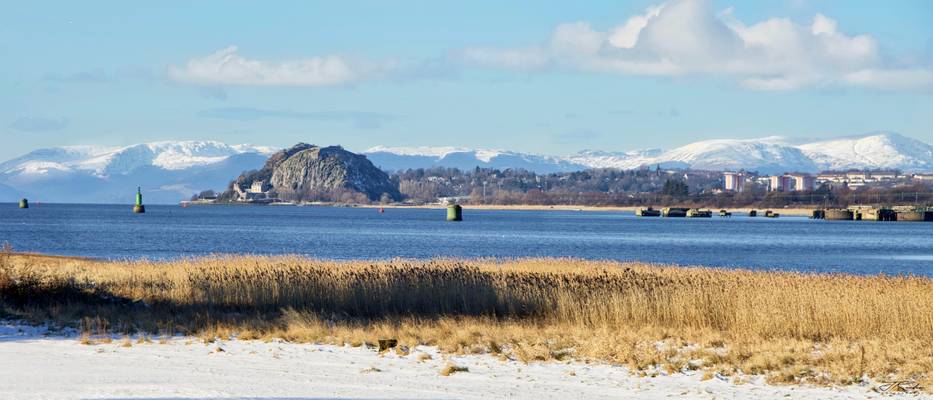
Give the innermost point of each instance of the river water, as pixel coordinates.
(167, 232)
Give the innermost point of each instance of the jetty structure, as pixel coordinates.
(647, 212)
(675, 212)
(875, 213)
(698, 213)
(24, 203)
(139, 208)
(914, 214)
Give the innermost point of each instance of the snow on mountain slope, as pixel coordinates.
(398, 158)
(767, 155)
(121, 160)
(880, 150)
(622, 160)
(169, 171)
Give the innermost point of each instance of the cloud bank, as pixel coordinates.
(228, 67)
(688, 38)
(673, 39)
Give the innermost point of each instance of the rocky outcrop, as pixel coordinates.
(308, 172)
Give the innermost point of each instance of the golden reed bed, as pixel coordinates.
(790, 327)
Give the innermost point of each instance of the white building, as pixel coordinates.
(791, 183)
(733, 181)
(258, 187)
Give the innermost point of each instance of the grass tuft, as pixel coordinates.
(450, 369)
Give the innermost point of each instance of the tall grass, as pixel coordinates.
(792, 326)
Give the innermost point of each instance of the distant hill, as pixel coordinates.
(170, 171)
(397, 158)
(308, 172)
(167, 171)
(766, 155)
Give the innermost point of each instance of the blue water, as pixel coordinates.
(165, 232)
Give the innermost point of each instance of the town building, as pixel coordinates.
(791, 183)
(734, 182)
(856, 178)
(803, 182)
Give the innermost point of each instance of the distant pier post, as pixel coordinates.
(454, 212)
(139, 208)
(24, 203)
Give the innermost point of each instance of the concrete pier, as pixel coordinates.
(838, 214)
(675, 212)
(647, 212)
(915, 216)
(698, 213)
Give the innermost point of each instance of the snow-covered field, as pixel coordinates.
(35, 364)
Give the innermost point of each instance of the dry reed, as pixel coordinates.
(791, 327)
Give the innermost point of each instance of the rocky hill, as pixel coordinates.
(309, 172)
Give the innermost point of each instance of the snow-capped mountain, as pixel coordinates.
(884, 150)
(396, 158)
(172, 171)
(765, 155)
(168, 171)
(622, 160)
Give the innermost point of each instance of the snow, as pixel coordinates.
(425, 151)
(768, 155)
(103, 161)
(623, 160)
(484, 155)
(772, 154)
(36, 364)
(883, 150)
(40, 168)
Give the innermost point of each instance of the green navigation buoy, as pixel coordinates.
(24, 203)
(454, 212)
(139, 208)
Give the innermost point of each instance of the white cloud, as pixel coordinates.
(687, 37)
(626, 36)
(227, 67)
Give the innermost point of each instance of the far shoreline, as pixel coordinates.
(797, 211)
(801, 212)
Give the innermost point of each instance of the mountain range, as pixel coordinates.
(769, 155)
(168, 171)
(172, 171)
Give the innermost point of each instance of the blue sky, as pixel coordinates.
(548, 77)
